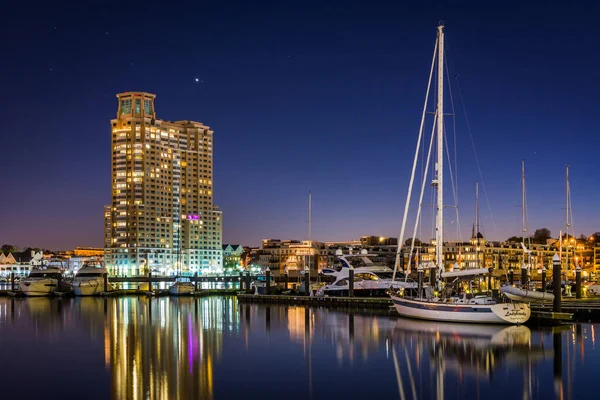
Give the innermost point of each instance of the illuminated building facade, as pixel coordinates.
(162, 217)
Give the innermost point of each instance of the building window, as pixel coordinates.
(126, 106)
(138, 106)
(147, 107)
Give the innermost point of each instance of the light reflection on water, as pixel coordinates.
(205, 348)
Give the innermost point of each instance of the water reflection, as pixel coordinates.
(165, 348)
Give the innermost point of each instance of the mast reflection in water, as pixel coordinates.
(211, 348)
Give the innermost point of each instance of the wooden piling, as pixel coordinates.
(351, 281)
(307, 282)
(578, 282)
(543, 279)
(556, 279)
(268, 282)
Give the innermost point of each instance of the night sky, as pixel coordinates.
(301, 96)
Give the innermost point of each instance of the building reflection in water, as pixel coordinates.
(166, 348)
(169, 348)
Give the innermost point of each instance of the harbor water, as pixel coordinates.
(217, 348)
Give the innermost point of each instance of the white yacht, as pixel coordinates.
(89, 280)
(181, 288)
(369, 279)
(45, 278)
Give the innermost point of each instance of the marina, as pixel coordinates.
(219, 347)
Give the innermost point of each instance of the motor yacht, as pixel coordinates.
(89, 280)
(369, 279)
(45, 278)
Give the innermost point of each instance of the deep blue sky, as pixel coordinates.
(301, 96)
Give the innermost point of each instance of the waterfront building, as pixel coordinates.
(292, 255)
(88, 252)
(161, 217)
(232, 257)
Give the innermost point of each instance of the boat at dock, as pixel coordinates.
(520, 294)
(89, 280)
(45, 278)
(450, 302)
(370, 280)
(182, 288)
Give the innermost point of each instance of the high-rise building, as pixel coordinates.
(162, 216)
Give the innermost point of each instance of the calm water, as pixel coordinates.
(166, 348)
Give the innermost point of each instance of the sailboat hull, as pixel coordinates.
(181, 289)
(502, 313)
(518, 294)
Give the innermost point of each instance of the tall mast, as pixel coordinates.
(309, 214)
(309, 229)
(439, 238)
(568, 224)
(523, 202)
(477, 224)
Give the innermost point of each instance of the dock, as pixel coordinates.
(134, 292)
(539, 315)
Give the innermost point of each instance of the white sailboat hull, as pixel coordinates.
(181, 288)
(38, 287)
(530, 296)
(502, 313)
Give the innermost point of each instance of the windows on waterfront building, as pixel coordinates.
(126, 106)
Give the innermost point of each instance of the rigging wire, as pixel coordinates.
(462, 103)
(454, 184)
(454, 187)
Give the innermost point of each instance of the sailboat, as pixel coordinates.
(525, 292)
(182, 286)
(448, 307)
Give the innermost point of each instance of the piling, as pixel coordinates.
(268, 282)
(149, 281)
(578, 282)
(523, 275)
(543, 279)
(105, 276)
(432, 278)
(12, 281)
(420, 274)
(196, 281)
(556, 279)
(248, 282)
(285, 281)
(511, 276)
(241, 280)
(351, 281)
(307, 281)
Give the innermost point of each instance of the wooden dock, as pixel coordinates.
(539, 315)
